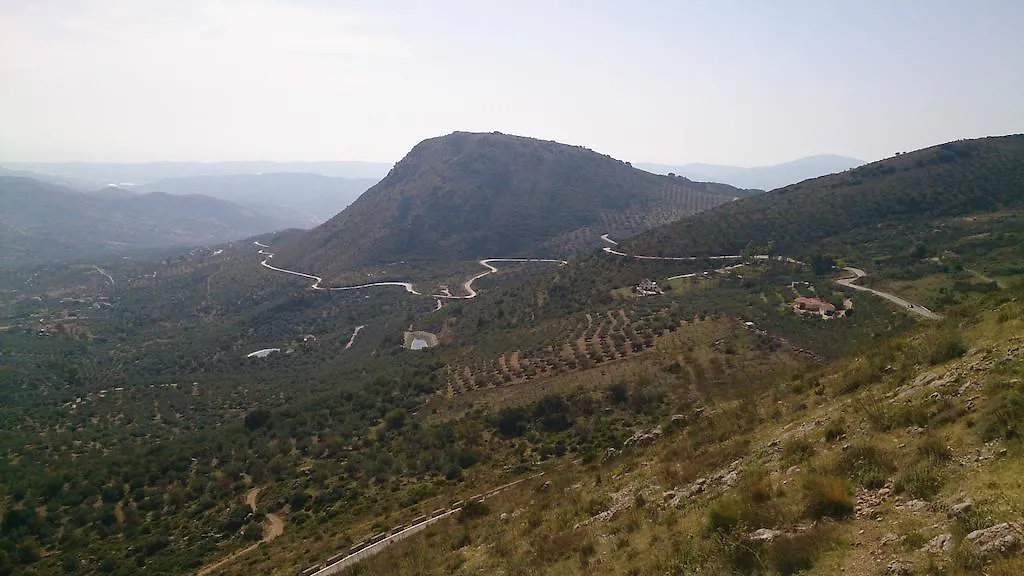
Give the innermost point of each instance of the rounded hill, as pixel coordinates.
(476, 195)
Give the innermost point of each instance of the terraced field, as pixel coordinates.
(579, 343)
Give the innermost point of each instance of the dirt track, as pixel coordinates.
(273, 526)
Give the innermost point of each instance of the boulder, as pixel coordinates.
(764, 535)
(899, 568)
(916, 505)
(1000, 539)
(642, 437)
(941, 543)
(958, 510)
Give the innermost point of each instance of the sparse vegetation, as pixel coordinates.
(827, 497)
(705, 430)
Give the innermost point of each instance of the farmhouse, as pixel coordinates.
(813, 306)
(647, 287)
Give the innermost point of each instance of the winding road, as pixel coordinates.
(906, 304)
(467, 286)
(847, 282)
(104, 272)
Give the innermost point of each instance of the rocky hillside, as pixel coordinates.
(476, 195)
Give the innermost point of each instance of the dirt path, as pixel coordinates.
(250, 498)
(227, 560)
(273, 526)
(353, 338)
(104, 272)
(209, 279)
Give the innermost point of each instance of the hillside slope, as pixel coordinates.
(476, 195)
(41, 222)
(712, 428)
(951, 179)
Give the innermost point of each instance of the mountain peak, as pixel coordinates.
(475, 195)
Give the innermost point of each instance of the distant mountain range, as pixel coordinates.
(469, 195)
(761, 177)
(42, 222)
(303, 197)
(101, 174)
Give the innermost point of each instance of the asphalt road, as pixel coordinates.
(905, 304)
(847, 282)
(467, 286)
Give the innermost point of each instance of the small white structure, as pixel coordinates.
(647, 287)
(262, 353)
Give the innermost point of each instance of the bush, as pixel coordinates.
(975, 518)
(877, 412)
(1004, 417)
(394, 419)
(756, 488)
(724, 515)
(949, 346)
(798, 552)
(933, 448)
(460, 539)
(968, 558)
(751, 508)
(827, 497)
(597, 504)
(512, 422)
(256, 419)
(473, 509)
(922, 480)
(865, 464)
(797, 451)
(618, 393)
(835, 429)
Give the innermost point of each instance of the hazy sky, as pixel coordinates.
(738, 82)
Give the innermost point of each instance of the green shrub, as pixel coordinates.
(860, 374)
(1004, 417)
(798, 552)
(597, 504)
(473, 509)
(797, 451)
(827, 497)
(835, 429)
(968, 558)
(922, 480)
(977, 518)
(933, 448)
(756, 487)
(724, 515)
(877, 412)
(460, 539)
(948, 346)
(865, 464)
